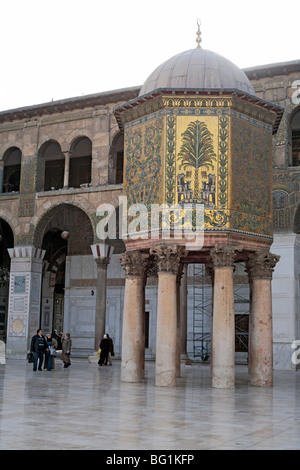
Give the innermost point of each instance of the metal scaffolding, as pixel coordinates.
(202, 305)
(201, 314)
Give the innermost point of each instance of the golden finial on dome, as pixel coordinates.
(198, 39)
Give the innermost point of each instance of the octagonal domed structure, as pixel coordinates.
(197, 69)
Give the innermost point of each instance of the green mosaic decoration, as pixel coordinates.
(143, 163)
(251, 179)
(170, 176)
(223, 161)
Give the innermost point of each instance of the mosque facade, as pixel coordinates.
(69, 167)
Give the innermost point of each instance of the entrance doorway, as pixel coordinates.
(6, 241)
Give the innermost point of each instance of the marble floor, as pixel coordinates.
(88, 407)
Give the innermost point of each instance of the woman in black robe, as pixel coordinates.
(105, 348)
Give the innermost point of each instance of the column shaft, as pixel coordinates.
(261, 334)
(223, 323)
(223, 338)
(67, 169)
(260, 268)
(166, 335)
(133, 334)
(100, 314)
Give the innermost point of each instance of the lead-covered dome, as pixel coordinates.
(197, 69)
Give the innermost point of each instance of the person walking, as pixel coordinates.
(58, 339)
(66, 350)
(39, 347)
(105, 347)
(49, 357)
(111, 350)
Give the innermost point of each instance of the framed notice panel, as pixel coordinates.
(19, 284)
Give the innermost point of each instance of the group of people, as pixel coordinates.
(44, 349)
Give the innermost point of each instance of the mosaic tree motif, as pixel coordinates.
(197, 150)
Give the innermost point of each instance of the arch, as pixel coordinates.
(6, 242)
(50, 168)
(116, 159)
(296, 227)
(67, 217)
(80, 162)
(294, 136)
(280, 199)
(12, 170)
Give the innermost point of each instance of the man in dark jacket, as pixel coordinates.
(38, 347)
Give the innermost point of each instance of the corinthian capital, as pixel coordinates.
(168, 257)
(135, 263)
(102, 263)
(223, 255)
(261, 265)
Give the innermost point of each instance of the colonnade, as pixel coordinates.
(168, 258)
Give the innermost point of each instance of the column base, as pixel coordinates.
(184, 358)
(165, 379)
(131, 376)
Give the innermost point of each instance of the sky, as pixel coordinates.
(59, 49)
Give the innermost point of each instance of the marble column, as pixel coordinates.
(223, 328)
(100, 314)
(260, 268)
(67, 169)
(168, 262)
(133, 335)
(101, 254)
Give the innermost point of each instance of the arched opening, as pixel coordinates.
(116, 164)
(280, 199)
(6, 241)
(295, 138)
(56, 247)
(51, 164)
(80, 163)
(297, 220)
(66, 234)
(12, 170)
